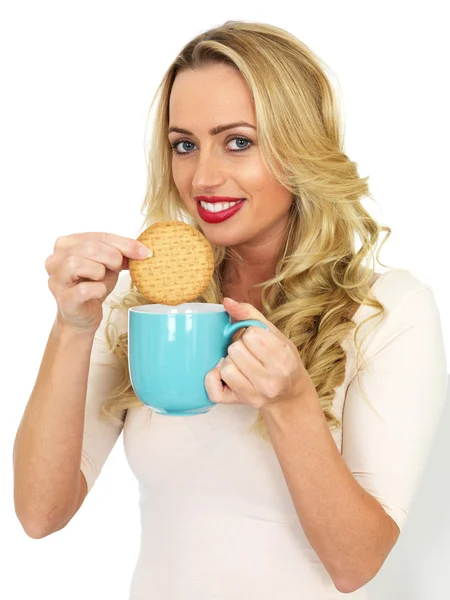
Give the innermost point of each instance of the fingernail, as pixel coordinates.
(220, 362)
(145, 251)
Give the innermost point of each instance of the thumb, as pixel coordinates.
(241, 311)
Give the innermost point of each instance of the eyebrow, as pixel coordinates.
(214, 130)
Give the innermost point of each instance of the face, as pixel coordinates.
(225, 163)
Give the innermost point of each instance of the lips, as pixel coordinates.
(223, 215)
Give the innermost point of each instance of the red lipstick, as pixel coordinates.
(223, 215)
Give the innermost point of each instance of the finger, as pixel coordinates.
(267, 348)
(248, 365)
(126, 246)
(73, 268)
(240, 311)
(71, 299)
(213, 383)
(100, 252)
(238, 385)
(216, 389)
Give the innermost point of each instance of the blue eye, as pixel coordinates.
(174, 146)
(241, 139)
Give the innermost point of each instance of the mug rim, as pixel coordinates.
(187, 308)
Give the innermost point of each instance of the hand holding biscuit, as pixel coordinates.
(83, 270)
(181, 265)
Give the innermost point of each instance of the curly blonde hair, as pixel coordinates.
(320, 279)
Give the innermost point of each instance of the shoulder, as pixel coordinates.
(408, 303)
(396, 288)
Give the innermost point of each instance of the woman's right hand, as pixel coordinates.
(83, 270)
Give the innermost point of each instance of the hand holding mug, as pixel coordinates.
(262, 369)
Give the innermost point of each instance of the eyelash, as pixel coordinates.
(239, 137)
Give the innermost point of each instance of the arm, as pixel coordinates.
(348, 528)
(351, 507)
(52, 442)
(47, 447)
(62, 444)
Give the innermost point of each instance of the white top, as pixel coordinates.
(217, 519)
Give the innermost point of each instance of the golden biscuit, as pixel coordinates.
(181, 267)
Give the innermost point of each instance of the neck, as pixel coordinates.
(257, 263)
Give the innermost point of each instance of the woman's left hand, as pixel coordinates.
(261, 369)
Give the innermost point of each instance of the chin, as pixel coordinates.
(224, 238)
(221, 234)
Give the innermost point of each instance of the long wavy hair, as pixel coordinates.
(320, 278)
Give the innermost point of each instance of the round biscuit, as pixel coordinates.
(180, 268)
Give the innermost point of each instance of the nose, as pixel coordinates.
(209, 173)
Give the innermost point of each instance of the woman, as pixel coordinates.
(312, 503)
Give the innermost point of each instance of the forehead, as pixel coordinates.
(213, 94)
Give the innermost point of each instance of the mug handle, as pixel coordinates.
(231, 328)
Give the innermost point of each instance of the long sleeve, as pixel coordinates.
(99, 436)
(404, 378)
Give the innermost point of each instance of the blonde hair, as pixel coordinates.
(320, 279)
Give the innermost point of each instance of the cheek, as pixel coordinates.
(266, 190)
(182, 179)
(253, 178)
(258, 181)
(176, 174)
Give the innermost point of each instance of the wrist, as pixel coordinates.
(301, 407)
(66, 332)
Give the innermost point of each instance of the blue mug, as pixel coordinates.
(172, 348)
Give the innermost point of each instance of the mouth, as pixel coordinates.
(215, 207)
(218, 211)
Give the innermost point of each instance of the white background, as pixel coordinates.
(77, 82)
